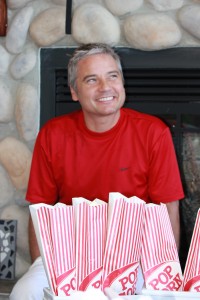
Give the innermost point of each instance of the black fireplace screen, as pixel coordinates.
(165, 83)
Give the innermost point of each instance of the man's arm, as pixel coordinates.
(33, 245)
(173, 210)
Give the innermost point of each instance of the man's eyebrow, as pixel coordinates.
(114, 72)
(95, 75)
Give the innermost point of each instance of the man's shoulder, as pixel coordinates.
(144, 118)
(64, 121)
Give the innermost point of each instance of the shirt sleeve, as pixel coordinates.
(164, 177)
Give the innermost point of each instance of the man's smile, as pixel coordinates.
(104, 99)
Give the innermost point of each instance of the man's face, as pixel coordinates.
(100, 89)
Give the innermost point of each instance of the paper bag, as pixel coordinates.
(55, 232)
(63, 240)
(160, 262)
(91, 227)
(41, 222)
(191, 280)
(123, 246)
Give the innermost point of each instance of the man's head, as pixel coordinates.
(96, 81)
(85, 51)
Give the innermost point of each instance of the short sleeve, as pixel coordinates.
(164, 176)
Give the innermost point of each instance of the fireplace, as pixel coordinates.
(165, 83)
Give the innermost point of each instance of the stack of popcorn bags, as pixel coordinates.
(98, 245)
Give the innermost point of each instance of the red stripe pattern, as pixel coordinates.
(192, 268)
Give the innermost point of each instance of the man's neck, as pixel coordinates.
(102, 123)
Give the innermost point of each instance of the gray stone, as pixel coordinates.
(189, 17)
(164, 5)
(23, 63)
(4, 60)
(119, 7)
(48, 27)
(27, 111)
(6, 103)
(18, 29)
(16, 159)
(93, 23)
(151, 31)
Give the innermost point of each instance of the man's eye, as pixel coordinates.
(113, 76)
(91, 80)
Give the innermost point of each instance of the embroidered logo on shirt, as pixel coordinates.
(124, 169)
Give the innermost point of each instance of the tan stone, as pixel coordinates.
(16, 159)
(151, 31)
(93, 23)
(119, 7)
(48, 27)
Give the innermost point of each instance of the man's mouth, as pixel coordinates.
(105, 99)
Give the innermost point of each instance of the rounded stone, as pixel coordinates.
(16, 158)
(164, 5)
(23, 63)
(119, 7)
(48, 27)
(93, 23)
(14, 4)
(6, 103)
(4, 60)
(27, 111)
(189, 17)
(18, 29)
(151, 31)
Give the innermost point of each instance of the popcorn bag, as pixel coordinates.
(123, 245)
(191, 280)
(91, 228)
(55, 232)
(159, 259)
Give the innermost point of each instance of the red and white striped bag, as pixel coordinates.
(123, 246)
(191, 280)
(91, 228)
(55, 232)
(159, 259)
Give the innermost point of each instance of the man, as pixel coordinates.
(102, 148)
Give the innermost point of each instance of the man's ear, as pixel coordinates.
(73, 94)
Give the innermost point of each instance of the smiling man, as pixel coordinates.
(99, 149)
(99, 89)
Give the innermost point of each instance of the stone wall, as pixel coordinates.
(146, 25)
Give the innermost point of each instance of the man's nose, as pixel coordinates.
(104, 84)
